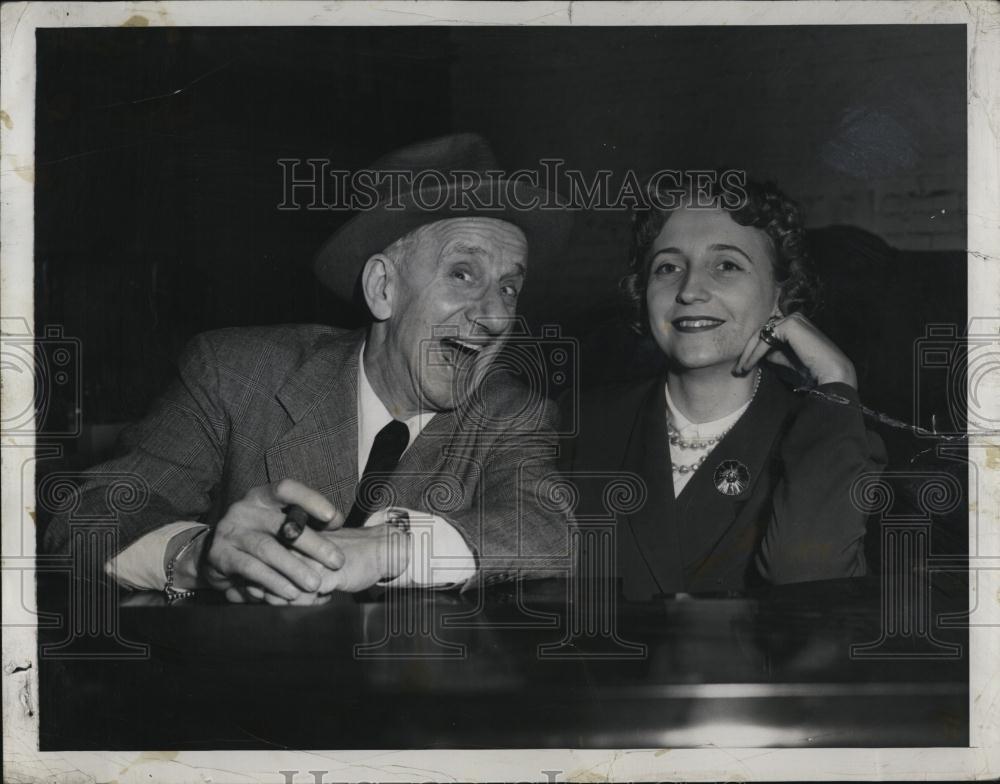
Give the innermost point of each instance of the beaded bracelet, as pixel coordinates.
(173, 594)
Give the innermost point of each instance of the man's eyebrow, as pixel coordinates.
(722, 246)
(460, 246)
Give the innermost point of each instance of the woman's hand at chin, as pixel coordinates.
(798, 344)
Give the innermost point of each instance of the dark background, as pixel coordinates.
(157, 181)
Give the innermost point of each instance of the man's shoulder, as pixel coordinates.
(503, 398)
(283, 345)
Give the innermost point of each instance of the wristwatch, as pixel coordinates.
(400, 520)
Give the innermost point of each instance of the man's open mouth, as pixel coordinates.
(696, 323)
(458, 349)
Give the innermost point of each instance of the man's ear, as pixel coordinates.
(376, 282)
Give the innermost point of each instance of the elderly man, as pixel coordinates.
(377, 435)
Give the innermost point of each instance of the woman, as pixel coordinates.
(747, 481)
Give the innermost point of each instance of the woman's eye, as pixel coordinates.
(462, 275)
(508, 291)
(665, 268)
(727, 265)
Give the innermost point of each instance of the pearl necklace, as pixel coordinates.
(690, 467)
(705, 443)
(677, 440)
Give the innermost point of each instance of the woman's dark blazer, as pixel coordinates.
(794, 522)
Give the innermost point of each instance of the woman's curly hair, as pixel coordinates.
(762, 206)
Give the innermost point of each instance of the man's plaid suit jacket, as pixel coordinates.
(255, 405)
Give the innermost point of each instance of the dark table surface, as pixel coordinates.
(510, 668)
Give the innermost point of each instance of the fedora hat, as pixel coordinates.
(452, 176)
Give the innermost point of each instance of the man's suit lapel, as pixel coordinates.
(321, 447)
(424, 458)
(704, 514)
(653, 527)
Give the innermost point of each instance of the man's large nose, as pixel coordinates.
(694, 288)
(491, 314)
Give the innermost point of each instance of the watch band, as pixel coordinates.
(173, 594)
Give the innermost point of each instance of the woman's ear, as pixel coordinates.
(376, 282)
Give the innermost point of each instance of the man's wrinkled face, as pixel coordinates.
(453, 300)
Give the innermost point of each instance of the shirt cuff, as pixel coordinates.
(140, 565)
(439, 556)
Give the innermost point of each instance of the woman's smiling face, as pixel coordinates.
(711, 286)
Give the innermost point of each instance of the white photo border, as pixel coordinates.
(23, 761)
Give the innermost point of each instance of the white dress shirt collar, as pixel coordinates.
(373, 416)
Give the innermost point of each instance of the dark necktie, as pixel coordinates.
(386, 451)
